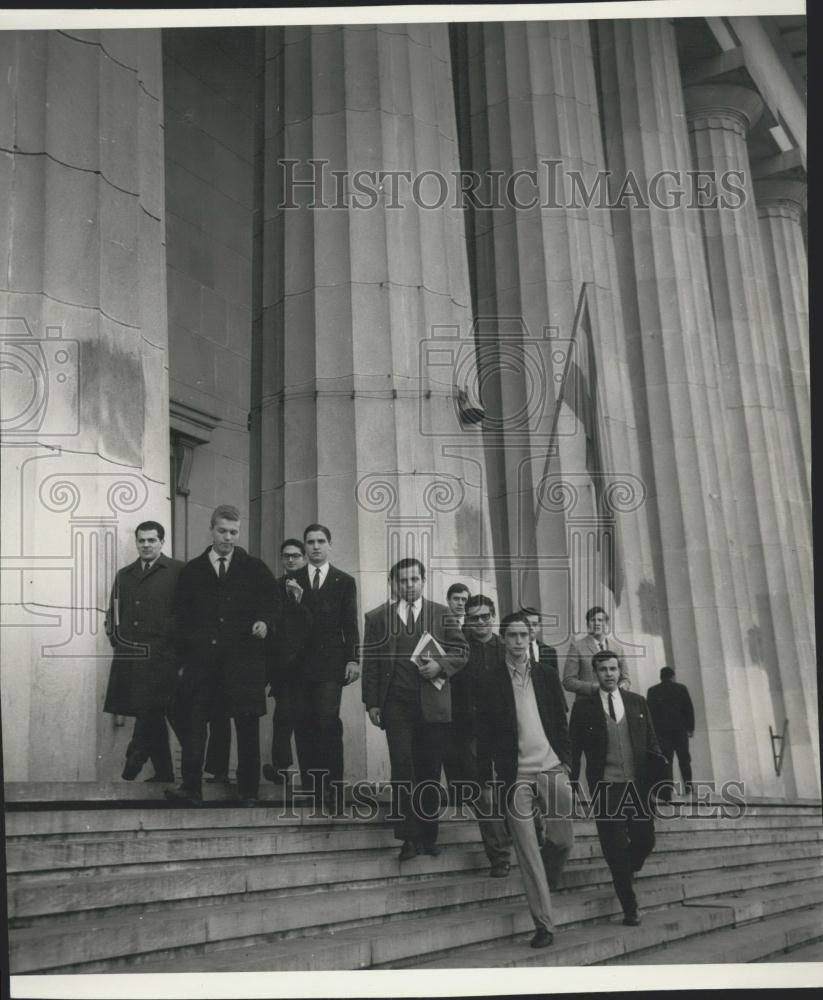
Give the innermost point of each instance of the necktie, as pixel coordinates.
(146, 567)
(315, 584)
(221, 573)
(611, 707)
(410, 620)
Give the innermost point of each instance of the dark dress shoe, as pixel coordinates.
(431, 849)
(278, 776)
(408, 851)
(133, 767)
(542, 938)
(157, 778)
(218, 779)
(185, 796)
(500, 869)
(632, 919)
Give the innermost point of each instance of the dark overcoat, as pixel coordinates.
(139, 624)
(290, 636)
(213, 618)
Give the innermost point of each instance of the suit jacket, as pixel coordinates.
(589, 736)
(497, 733)
(671, 706)
(214, 620)
(140, 625)
(379, 657)
(291, 633)
(333, 639)
(578, 675)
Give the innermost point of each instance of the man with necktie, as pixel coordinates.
(139, 624)
(224, 607)
(578, 675)
(623, 763)
(326, 663)
(410, 702)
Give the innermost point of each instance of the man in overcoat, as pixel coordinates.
(292, 629)
(223, 612)
(139, 624)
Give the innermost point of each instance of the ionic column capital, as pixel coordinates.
(722, 105)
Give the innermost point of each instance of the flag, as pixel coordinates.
(580, 390)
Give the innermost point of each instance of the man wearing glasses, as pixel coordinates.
(292, 623)
(460, 762)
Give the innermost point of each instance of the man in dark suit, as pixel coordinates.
(292, 623)
(673, 716)
(522, 731)
(623, 762)
(327, 663)
(486, 650)
(412, 703)
(540, 652)
(139, 624)
(578, 674)
(223, 609)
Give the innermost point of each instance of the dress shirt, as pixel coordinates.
(214, 558)
(324, 572)
(403, 610)
(619, 710)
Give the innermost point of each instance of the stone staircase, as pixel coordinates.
(139, 886)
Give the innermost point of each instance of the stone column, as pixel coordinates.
(532, 116)
(667, 306)
(719, 117)
(780, 207)
(85, 448)
(366, 325)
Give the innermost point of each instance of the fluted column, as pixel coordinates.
(667, 306)
(85, 448)
(780, 207)
(532, 106)
(366, 319)
(719, 118)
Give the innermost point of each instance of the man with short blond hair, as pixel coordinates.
(224, 606)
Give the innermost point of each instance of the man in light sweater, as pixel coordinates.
(623, 761)
(522, 731)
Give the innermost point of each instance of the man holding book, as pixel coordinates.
(411, 648)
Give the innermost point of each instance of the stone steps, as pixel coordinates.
(171, 889)
(668, 935)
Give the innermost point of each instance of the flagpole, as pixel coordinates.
(582, 302)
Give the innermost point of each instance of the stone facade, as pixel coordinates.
(227, 339)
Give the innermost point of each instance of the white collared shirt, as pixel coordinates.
(535, 651)
(619, 709)
(215, 557)
(521, 676)
(324, 572)
(403, 609)
(146, 566)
